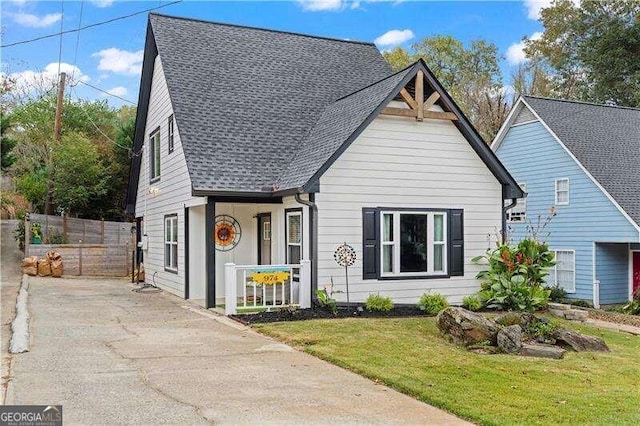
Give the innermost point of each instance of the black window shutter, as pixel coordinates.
(456, 243)
(369, 244)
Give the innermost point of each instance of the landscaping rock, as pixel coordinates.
(557, 312)
(466, 327)
(558, 306)
(510, 339)
(542, 351)
(576, 315)
(579, 342)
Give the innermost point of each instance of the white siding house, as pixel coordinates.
(246, 179)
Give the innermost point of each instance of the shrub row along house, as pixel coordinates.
(584, 160)
(256, 147)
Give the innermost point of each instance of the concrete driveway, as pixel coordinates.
(112, 356)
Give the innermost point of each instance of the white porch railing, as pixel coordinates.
(266, 287)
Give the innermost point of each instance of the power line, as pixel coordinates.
(89, 26)
(106, 92)
(75, 55)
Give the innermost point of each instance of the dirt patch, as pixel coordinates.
(318, 313)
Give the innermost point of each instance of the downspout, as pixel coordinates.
(314, 239)
(514, 201)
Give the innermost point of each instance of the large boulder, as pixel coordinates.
(542, 351)
(579, 342)
(510, 339)
(466, 327)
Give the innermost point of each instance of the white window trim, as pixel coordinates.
(287, 216)
(558, 203)
(555, 269)
(430, 243)
(168, 221)
(522, 203)
(154, 138)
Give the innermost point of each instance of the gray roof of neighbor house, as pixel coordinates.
(263, 113)
(606, 141)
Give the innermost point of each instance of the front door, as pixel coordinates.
(636, 273)
(264, 239)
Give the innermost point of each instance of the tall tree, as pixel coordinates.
(6, 143)
(592, 49)
(532, 78)
(470, 74)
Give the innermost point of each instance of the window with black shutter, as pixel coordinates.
(412, 243)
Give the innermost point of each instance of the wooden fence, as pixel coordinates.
(92, 247)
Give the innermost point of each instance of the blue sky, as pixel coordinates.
(109, 56)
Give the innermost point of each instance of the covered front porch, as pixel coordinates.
(248, 254)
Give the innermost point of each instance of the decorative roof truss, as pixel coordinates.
(418, 106)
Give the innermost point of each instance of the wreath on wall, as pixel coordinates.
(227, 232)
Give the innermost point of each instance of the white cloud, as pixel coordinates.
(394, 37)
(35, 21)
(120, 61)
(102, 3)
(118, 91)
(515, 52)
(29, 81)
(321, 5)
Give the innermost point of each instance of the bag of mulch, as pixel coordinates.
(44, 267)
(53, 255)
(56, 267)
(30, 265)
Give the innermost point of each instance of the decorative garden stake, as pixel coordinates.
(345, 256)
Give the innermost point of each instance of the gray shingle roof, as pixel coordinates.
(605, 139)
(245, 98)
(337, 123)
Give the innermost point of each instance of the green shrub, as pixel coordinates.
(377, 303)
(542, 329)
(556, 293)
(57, 238)
(633, 307)
(578, 302)
(472, 303)
(326, 301)
(432, 303)
(515, 276)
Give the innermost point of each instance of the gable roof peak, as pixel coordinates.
(571, 101)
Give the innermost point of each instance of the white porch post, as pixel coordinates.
(230, 289)
(304, 294)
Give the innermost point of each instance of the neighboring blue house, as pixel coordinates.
(583, 159)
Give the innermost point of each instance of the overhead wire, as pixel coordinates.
(75, 54)
(16, 43)
(104, 91)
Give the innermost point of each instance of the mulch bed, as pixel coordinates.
(615, 317)
(318, 313)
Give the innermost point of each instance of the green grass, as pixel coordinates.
(409, 355)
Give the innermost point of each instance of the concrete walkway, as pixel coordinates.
(112, 356)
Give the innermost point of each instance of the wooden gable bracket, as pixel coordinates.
(418, 107)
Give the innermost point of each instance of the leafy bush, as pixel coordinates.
(633, 307)
(557, 294)
(515, 276)
(472, 303)
(326, 301)
(57, 238)
(432, 303)
(542, 329)
(377, 303)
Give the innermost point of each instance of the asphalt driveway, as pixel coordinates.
(112, 356)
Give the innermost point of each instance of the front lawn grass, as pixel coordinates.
(409, 355)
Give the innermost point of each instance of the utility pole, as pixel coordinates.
(57, 134)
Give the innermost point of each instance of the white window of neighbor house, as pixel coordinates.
(562, 191)
(154, 155)
(413, 243)
(171, 243)
(294, 236)
(563, 274)
(518, 213)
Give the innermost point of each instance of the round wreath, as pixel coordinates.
(227, 232)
